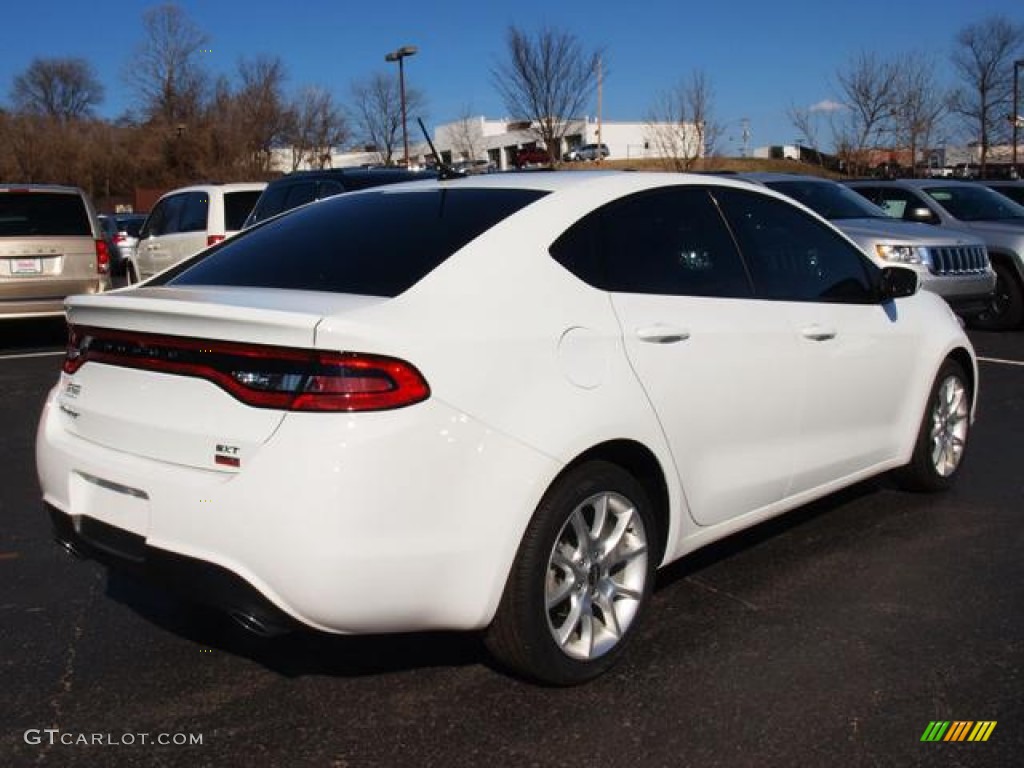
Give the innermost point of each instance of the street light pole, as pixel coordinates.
(1016, 111)
(399, 56)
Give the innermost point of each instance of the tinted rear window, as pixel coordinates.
(237, 206)
(373, 244)
(42, 214)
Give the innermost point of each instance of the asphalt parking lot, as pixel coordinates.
(830, 637)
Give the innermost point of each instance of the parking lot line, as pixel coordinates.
(1000, 361)
(32, 354)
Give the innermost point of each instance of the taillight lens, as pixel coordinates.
(282, 378)
(213, 239)
(102, 257)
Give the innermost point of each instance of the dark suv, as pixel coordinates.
(303, 187)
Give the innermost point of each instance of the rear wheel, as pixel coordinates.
(131, 276)
(942, 438)
(1006, 307)
(581, 579)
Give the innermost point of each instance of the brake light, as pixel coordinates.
(102, 257)
(213, 239)
(282, 378)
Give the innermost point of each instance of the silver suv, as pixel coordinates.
(973, 208)
(952, 264)
(51, 246)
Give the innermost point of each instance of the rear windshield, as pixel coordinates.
(372, 244)
(42, 214)
(238, 205)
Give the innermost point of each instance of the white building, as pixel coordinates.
(496, 142)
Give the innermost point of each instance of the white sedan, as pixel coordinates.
(493, 403)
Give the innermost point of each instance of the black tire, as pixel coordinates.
(942, 438)
(538, 631)
(130, 275)
(1006, 307)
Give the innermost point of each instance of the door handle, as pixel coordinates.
(662, 334)
(818, 333)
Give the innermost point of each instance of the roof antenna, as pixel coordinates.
(444, 171)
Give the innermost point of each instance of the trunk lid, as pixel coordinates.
(129, 401)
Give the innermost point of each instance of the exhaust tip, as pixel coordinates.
(70, 548)
(255, 625)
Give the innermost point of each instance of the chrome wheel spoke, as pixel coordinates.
(597, 574)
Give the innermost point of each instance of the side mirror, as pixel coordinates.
(896, 283)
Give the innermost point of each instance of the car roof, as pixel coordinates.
(351, 173)
(232, 186)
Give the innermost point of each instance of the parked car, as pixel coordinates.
(495, 403)
(1011, 189)
(973, 208)
(527, 157)
(948, 262)
(303, 187)
(587, 152)
(187, 220)
(121, 232)
(51, 245)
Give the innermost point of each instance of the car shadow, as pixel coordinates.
(298, 653)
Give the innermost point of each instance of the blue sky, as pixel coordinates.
(760, 57)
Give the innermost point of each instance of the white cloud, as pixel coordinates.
(827, 106)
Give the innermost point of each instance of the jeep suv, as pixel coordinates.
(186, 221)
(973, 208)
(952, 264)
(51, 246)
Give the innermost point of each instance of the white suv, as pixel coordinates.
(187, 220)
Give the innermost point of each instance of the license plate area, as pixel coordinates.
(26, 266)
(116, 505)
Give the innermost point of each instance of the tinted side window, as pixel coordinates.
(791, 256)
(374, 244)
(194, 211)
(669, 242)
(300, 194)
(329, 189)
(163, 220)
(270, 203)
(237, 206)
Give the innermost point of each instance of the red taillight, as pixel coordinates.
(102, 257)
(283, 378)
(213, 239)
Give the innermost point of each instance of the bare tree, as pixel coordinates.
(64, 89)
(166, 67)
(682, 124)
(377, 108)
(868, 85)
(919, 107)
(983, 59)
(317, 126)
(467, 135)
(260, 110)
(548, 79)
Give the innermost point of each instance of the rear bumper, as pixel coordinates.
(388, 522)
(191, 578)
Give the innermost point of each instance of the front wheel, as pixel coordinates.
(942, 437)
(581, 578)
